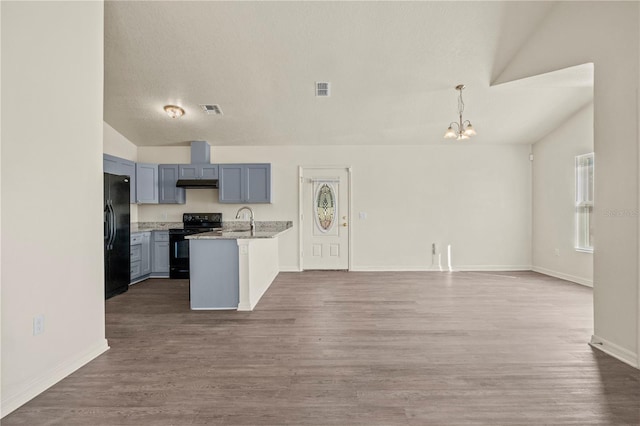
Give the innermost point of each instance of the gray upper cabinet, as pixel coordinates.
(198, 171)
(156, 183)
(230, 184)
(258, 184)
(209, 171)
(245, 183)
(167, 178)
(146, 183)
(120, 166)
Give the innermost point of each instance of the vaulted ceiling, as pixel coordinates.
(392, 66)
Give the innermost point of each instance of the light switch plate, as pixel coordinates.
(38, 325)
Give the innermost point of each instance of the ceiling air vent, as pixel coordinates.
(211, 109)
(323, 88)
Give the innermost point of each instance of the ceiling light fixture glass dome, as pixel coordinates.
(174, 111)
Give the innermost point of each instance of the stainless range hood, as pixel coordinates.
(197, 183)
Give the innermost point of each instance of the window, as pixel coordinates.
(325, 207)
(584, 202)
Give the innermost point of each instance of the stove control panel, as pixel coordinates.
(196, 218)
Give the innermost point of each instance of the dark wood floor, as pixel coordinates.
(337, 348)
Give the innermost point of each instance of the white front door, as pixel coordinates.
(325, 218)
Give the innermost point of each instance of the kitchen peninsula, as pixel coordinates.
(233, 268)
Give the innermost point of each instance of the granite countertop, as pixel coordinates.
(154, 226)
(237, 231)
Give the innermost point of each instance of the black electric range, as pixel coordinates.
(193, 223)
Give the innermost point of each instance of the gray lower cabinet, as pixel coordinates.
(146, 183)
(245, 183)
(160, 254)
(168, 193)
(214, 274)
(140, 256)
(120, 166)
(145, 264)
(198, 171)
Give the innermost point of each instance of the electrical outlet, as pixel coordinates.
(164, 216)
(557, 252)
(38, 325)
(363, 215)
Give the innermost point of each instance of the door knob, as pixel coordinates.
(344, 224)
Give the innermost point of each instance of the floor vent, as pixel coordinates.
(323, 88)
(211, 109)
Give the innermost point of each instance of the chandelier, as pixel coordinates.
(464, 129)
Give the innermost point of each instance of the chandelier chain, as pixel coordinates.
(463, 129)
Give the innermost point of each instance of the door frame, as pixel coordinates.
(301, 170)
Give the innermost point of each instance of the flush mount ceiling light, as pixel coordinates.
(464, 129)
(173, 111)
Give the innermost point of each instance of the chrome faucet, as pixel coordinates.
(252, 221)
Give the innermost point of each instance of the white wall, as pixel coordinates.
(554, 200)
(607, 35)
(51, 179)
(475, 197)
(114, 143)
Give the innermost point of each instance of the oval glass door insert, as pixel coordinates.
(325, 207)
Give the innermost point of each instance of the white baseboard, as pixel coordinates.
(392, 269)
(491, 268)
(290, 269)
(616, 351)
(456, 268)
(578, 280)
(35, 387)
(244, 307)
(422, 268)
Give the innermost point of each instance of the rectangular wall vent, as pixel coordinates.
(323, 88)
(212, 109)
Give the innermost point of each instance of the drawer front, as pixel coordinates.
(136, 253)
(136, 238)
(136, 269)
(161, 236)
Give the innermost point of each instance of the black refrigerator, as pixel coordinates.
(117, 258)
